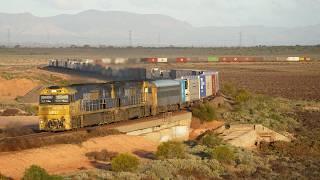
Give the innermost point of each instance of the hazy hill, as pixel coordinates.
(112, 28)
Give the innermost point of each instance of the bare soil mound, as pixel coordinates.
(68, 158)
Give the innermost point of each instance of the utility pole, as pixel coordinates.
(159, 40)
(240, 39)
(130, 38)
(48, 38)
(9, 37)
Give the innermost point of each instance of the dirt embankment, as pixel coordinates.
(10, 89)
(59, 159)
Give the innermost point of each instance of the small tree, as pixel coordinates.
(125, 162)
(211, 140)
(171, 150)
(223, 154)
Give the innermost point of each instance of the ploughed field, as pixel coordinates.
(288, 80)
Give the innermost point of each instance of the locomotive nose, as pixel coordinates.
(55, 124)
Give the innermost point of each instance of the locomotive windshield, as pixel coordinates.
(54, 99)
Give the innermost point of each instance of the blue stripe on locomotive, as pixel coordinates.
(203, 86)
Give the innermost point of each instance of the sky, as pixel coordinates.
(284, 13)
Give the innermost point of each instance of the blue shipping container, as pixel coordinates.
(183, 89)
(203, 86)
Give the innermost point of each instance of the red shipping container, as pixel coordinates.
(214, 84)
(181, 60)
(152, 60)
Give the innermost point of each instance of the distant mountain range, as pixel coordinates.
(123, 28)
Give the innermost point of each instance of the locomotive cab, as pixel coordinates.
(54, 108)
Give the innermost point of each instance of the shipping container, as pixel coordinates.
(293, 59)
(192, 85)
(181, 60)
(120, 60)
(213, 59)
(177, 74)
(209, 90)
(162, 60)
(240, 59)
(183, 89)
(152, 60)
(134, 60)
(305, 59)
(215, 83)
(106, 60)
(168, 92)
(203, 86)
(194, 60)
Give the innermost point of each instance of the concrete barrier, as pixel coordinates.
(162, 129)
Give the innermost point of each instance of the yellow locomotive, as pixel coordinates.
(82, 105)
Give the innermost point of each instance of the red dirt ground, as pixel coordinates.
(59, 159)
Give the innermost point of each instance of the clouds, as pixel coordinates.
(197, 12)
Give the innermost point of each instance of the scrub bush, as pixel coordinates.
(171, 150)
(223, 154)
(210, 140)
(205, 112)
(125, 162)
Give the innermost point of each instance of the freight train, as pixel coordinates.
(64, 108)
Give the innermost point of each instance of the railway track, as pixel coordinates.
(36, 140)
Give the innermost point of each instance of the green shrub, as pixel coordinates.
(242, 96)
(183, 169)
(205, 112)
(210, 140)
(37, 173)
(125, 162)
(171, 150)
(223, 154)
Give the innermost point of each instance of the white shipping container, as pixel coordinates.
(89, 61)
(162, 60)
(293, 59)
(106, 60)
(120, 60)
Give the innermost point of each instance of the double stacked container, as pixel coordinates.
(212, 83)
(168, 92)
(192, 88)
(177, 74)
